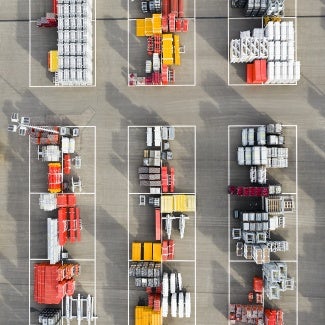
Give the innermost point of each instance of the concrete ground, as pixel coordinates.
(211, 106)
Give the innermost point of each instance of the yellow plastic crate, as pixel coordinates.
(167, 204)
(136, 252)
(176, 50)
(156, 24)
(156, 248)
(148, 27)
(140, 27)
(53, 61)
(147, 251)
(156, 318)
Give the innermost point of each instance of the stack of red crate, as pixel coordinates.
(52, 282)
(256, 72)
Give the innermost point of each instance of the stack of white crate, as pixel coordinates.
(282, 66)
(74, 43)
(277, 157)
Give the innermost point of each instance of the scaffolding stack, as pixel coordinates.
(249, 48)
(75, 58)
(276, 279)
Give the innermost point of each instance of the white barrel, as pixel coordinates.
(271, 51)
(283, 31)
(284, 71)
(291, 50)
(290, 72)
(277, 51)
(297, 70)
(277, 72)
(270, 72)
(284, 51)
(269, 31)
(277, 31)
(290, 31)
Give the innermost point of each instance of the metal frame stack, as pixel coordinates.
(249, 48)
(276, 279)
(74, 43)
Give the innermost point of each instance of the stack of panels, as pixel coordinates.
(282, 65)
(74, 43)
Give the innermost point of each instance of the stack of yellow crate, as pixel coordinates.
(145, 315)
(151, 252)
(167, 49)
(177, 55)
(148, 26)
(177, 203)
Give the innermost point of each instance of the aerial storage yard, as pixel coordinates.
(145, 178)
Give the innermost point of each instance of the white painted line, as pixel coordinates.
(29, 51)
(82, 259)
(47, 86)
(228, 45)
(128, 241)
(228, 217)
(29, 266)
(95, 50)
(195, 215)
(257, 125)
(128, 55)
(38, 259)
(252, 261)
(168, 85)
(245, 18)
(243, 261)
(297, 228)
(244, 125)
(260, 85)
(76, 193)
(95, 220)
(194, 60)
(151, 126)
